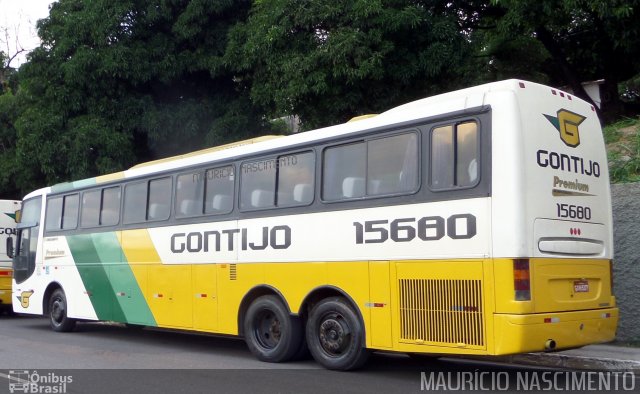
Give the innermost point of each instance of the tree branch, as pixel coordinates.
(570, 75)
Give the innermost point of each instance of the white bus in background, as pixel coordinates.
(8, 210)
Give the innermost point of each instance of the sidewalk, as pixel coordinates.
(595, 357)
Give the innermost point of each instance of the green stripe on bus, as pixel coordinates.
(128, 293)
(94, 276)
(66, 186)
(115, 294)
(61, 187)
(84, 182)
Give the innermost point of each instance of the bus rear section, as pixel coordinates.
(554, 284)
(8, 209)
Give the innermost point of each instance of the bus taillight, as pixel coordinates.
(5, 273)
(521, 282)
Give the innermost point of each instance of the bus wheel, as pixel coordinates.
(335, 335)
(58, 313)
(271, 333)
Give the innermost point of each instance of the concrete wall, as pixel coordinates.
(626, 268)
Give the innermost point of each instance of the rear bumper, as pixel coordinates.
(530, 333)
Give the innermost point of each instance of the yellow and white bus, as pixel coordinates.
(476, 222)
(8, 210)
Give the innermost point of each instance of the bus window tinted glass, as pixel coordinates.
(70, 212)
(110, 214)
(190, 194)
(454, 156)
(442, 158)
(467, 154)
(135, 203)
(219, 190)
(159, 199)
(258, 184)
(53, 220)
(344, 171)
(392, 164)
(295, 179)
(90, 208)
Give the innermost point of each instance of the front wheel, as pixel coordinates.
(335, 335)
(58, 313)
(270, 332)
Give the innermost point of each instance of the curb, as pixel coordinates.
(559, 360)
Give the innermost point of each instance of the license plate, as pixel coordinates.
(581, 286)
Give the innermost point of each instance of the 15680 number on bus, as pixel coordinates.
(573, 211)
(428, 228)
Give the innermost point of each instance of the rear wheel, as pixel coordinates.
(335, 335)
(271, 333)
(58, 313)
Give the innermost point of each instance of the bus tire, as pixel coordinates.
(58, 313)
(271, 333)
(335, 335)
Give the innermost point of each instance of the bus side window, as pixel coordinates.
(454, 156)
(296, 174)
(392, 164)
(135, 202)
(258, 184)
(110, 212)
(344, 171)
(381, 166)
(219, 190)
(53, 220)
(442, 157)
(159, 199)
(467, 155)
(70, 212)
(90, 208)
(190, 194)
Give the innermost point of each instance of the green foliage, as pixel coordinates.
(623, 149)
(586, 40)
(116, 82)
(329, 61)
(8, 169)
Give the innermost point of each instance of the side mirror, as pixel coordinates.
(10, 249)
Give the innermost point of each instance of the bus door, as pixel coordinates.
(24, 256)
(24, 262)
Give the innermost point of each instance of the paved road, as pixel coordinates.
(103, 358)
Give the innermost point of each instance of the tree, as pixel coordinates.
(585, 39)
(10, 48)
(9, 110)
(8, 167)
(327, 61)
(120, 81)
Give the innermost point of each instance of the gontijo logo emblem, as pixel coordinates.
(24, 298)
(567, 122)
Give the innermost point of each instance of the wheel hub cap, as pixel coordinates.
(334, 335)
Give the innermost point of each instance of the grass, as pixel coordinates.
(623, 150)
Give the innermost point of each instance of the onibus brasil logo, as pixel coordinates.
(567, 122)
(21, 381)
